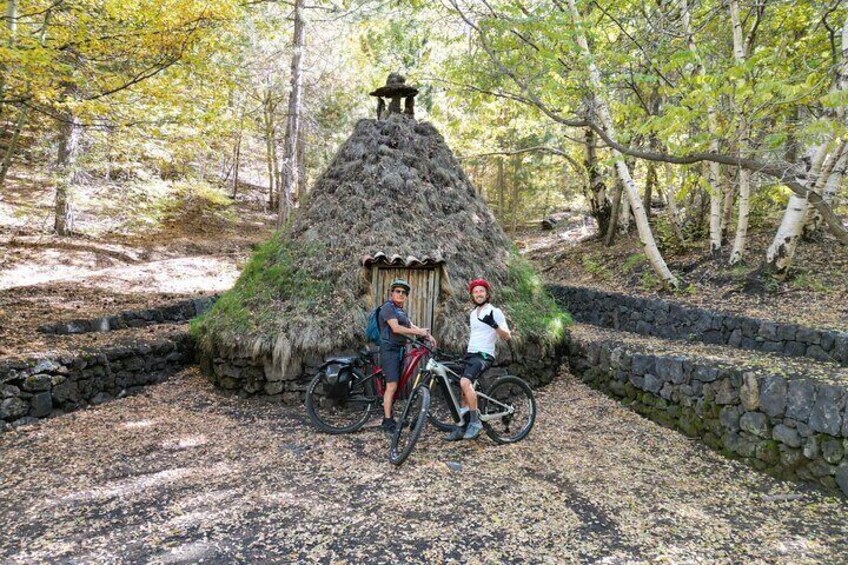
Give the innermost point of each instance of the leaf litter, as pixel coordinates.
(183, 473)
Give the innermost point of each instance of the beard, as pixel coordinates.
(480, 300)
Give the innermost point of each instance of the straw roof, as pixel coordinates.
(393, 193)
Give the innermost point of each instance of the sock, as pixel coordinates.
(475, 417)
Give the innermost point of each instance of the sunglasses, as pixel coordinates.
(400, 290)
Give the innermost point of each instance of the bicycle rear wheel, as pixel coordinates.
(511, 413)
(339, 413)
(410, 426)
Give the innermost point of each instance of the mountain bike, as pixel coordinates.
(347, 391)
(507, 406)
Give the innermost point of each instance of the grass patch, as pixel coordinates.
(272, 284)
(529, 306)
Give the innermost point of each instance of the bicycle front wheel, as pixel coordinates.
(508, 410)
(339, 411)
(410, 426)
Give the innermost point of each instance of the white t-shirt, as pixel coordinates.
(482, 337)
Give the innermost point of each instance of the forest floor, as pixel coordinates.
(813, 295)
(135, 247)
(183, 473)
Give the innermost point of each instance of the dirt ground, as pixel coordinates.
(181, 473)
(116, 261)
(813, 295)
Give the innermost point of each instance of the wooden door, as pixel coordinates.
(421, 303)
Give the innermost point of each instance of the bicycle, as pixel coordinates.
(508, 400)
(346, 391)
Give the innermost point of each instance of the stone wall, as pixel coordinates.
(671, 320)
(176, 313)
(47, 386)
(787, 425)
(249, 376)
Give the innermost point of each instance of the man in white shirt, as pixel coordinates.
(487, 324)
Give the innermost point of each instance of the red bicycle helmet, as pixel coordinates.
(479, 282)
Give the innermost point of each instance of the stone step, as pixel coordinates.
(786, 416)
(52, 384)
(671, 320)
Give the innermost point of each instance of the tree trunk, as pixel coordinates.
(12, 24)
(671, 200)
(270, 146)
(501, 191)
(236, 164)
(729, 193)
(713, 170)
(13, 144)
(70, 133)
(596, 190)
(781, 252)
(291, 169)
(514, 194)
(649, 245)
(612, 228)
(741, 239)
(829, 192)
(834, 180)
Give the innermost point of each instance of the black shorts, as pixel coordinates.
(391, 361)
(475, 364)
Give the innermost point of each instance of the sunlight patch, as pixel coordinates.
(185, 442)
(138, 424)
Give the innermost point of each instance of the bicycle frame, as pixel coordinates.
(411, 361)
(444, 376)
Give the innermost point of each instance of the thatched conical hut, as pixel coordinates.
(393, 202)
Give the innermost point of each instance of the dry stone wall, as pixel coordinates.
(788, 425)
(176, 313)
(670, 320)
(39, 387)
(248, 376)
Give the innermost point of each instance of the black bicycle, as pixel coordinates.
(507, 406)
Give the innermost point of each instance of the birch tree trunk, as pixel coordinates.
(291, 168)
(829, 192)
(823, 171)
(782, 249)
(649, 245)
(834, 180)
(713, 169)
(741, 239)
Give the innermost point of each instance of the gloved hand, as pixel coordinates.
(489, 320)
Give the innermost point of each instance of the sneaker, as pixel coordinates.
(456, 434)
(473, 430)
(389, 426)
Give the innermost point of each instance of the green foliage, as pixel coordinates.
(529, 306)
(649, 281)
(634, 261)
(595, 267)
(808, 281)
(272, 276)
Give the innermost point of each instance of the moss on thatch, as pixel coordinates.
(395, 187)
